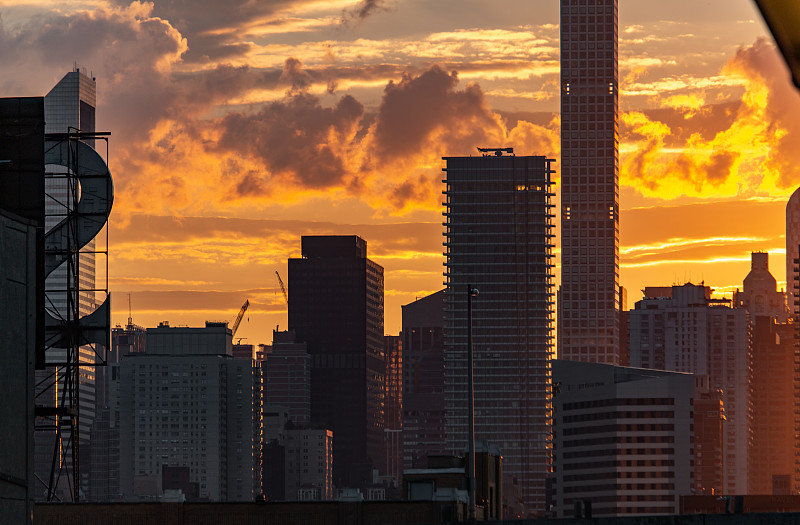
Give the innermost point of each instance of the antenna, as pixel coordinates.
(130, 316)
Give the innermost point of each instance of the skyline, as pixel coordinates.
(206, 211)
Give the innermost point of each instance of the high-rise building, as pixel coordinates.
(393, 426)
(792, 242)
(336, 308)
(498, 239)
(760, 294)
(588, 303)
(423, 380)
(682, 329)
(188, 404)
(69, 107)
(623, 439)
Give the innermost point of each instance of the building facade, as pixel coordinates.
(623, 439)
(498, 239)
(393, 428)
(286, 366)
(336, 308)
(188, 403)
(309, 464)
(760, 294)
(682, 329)
(423, 380)
(775, 408)
(588, 307)
(792, 243)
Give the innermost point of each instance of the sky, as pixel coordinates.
(239, 126)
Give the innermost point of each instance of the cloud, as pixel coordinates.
(751, 152)
(417, 108)
(363, 10)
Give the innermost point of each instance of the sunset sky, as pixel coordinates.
(239, 126)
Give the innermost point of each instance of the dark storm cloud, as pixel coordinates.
(293, 137)
(414, 108)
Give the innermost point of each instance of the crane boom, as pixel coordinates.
(239, 317)
(283, 288)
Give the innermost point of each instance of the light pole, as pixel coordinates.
(471, 292)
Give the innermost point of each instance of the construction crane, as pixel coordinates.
(239, 317)
(283, 288)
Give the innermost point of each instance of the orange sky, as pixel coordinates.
(239, 126)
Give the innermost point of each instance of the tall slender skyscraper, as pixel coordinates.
(588, 322)
(499, 240)
(336, 307)
(792, 242)
(69, 294)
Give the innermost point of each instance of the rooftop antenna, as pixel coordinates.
(130, 316)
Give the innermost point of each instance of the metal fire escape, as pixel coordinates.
(75, 342)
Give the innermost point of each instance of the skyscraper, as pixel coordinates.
(69, 289)
(423, 380)
(69, 106)
(498, 239)
(336, 308)
(588, 317)
(792, 242)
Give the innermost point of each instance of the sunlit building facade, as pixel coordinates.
(499, 240)
(792, 242)
(588, 306)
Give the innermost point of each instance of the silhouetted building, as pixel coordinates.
(760, 295)
(623, 439)
(423, 380)
(187, 402)
(588, 307)
(684, 330)
(243, 351)
(498, 239)
(22, 268)
(336, 308)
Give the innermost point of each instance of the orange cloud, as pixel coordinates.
(752, 156)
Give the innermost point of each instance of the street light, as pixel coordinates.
(471, 292)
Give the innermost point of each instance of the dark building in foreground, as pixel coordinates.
(336, 308)
(22, 264)
(588, 318)
(499, 239)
